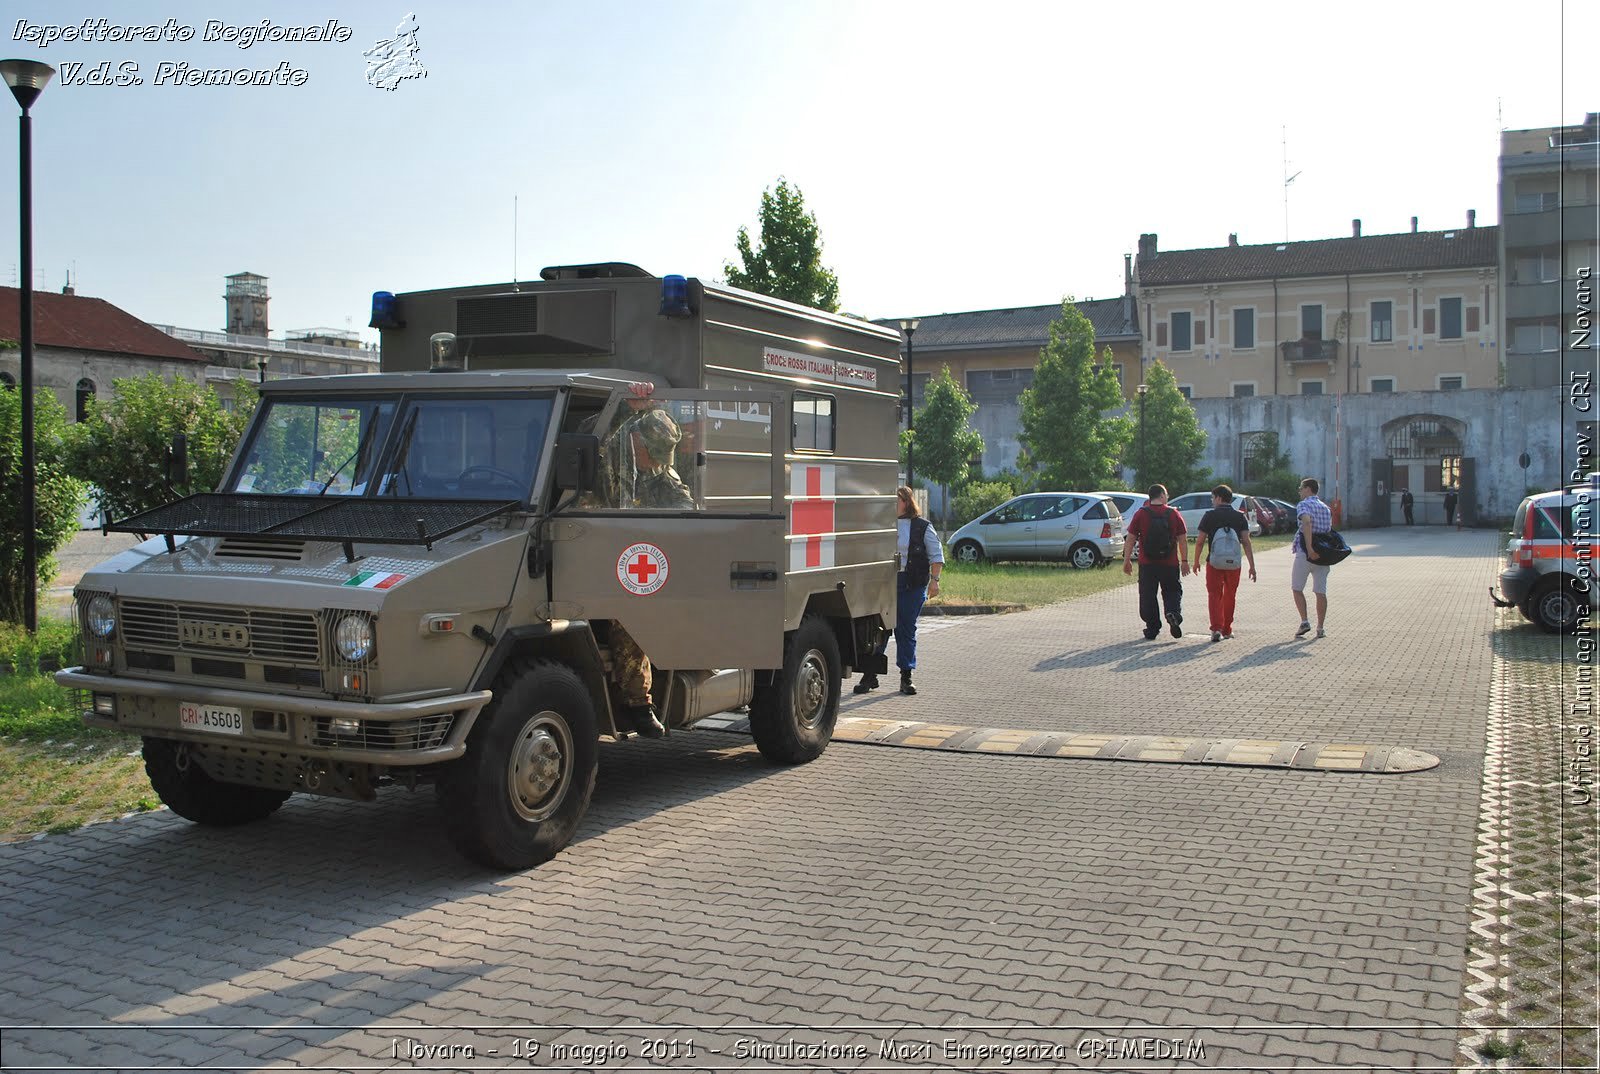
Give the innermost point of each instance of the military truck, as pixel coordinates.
(408, 577)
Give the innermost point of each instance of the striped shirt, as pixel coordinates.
(1321, 519)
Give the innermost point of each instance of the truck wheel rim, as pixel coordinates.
(811, 689)
(540, 767)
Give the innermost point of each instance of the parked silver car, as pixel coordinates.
(1084, 529)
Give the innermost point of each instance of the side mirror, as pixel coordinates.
(577, 461)
(178, 460)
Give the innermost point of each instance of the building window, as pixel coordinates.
(1449, 318)
(1536, 201)
(1116, 367)
(1181, 325)
(1383, 322)
(1540, 266)
(813, 422)
(1450, 471)
(1381, 384)
(1311, 387)
(1257, 451)
(1311, 321)
(85, 396)
(1535, 338)
(1450, 384)
(1244, 391)
(1187, 391)
(1244, 329)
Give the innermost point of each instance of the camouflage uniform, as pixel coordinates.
(625, 484)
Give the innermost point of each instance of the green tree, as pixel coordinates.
(788, 263)
(57, 497)
(943, 444)
(1066, 436)
(1172, 439)
(122, 446)
(1269, 471)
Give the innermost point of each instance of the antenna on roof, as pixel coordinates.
(1287, 179)
(514, 242)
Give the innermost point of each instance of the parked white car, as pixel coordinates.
(1127, 503)
(1194, 505)
(1084, 529)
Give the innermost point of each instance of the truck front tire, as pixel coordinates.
(193, 795)
(515, 799)
(792, 718)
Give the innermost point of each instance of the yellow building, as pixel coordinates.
(1416, 311)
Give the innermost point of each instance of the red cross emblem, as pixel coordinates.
(642, 569)
(811, 516)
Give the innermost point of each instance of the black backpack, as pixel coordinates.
(1158, 533)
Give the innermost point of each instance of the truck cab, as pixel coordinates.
(419, 576)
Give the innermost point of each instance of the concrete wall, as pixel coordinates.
(1496, 426)
(60, 370)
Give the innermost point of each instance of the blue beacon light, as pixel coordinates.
(385, 311)
(675, 297)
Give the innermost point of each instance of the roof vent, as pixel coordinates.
(1281, 249)
(1449, 234)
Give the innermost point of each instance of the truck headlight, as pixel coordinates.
(101, 615)
(353, 638)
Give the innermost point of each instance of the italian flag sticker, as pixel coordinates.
(375, 580)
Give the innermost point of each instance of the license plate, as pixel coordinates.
(214, 719)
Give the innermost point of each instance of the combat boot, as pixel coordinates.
(644, 720)
(869, 682)
(905, 683)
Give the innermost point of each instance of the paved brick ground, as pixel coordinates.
(1280, 919)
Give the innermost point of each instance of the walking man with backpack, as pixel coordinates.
(1228, 532)
(1312, 517)
(1159, 532)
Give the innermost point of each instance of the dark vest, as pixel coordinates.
(916, 566)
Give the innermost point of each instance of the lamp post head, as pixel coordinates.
(27, 79)
(1141, 389)
(908, 325)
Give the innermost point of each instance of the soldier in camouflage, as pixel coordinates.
(636, 472)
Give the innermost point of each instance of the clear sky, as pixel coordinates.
(957, 155)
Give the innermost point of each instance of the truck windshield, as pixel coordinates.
(444, 447)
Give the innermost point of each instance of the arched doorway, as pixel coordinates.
(1423, 453)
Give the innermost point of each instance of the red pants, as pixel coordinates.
(1221, 587)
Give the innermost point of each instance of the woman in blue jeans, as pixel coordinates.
(921, 559)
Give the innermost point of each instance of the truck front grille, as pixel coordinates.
(264, 634)
(422, 733)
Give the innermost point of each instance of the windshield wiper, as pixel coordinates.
(360, 451)
(399, 469)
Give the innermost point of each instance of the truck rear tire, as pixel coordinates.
(792, 718)
(515, 799)
(193, 795)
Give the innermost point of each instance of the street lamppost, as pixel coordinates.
(1142, 390)
(27, 79)
(909, 327)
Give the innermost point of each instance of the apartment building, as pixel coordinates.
(1416, 311)
(1549, 223)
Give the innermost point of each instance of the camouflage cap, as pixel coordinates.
(658, 433)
